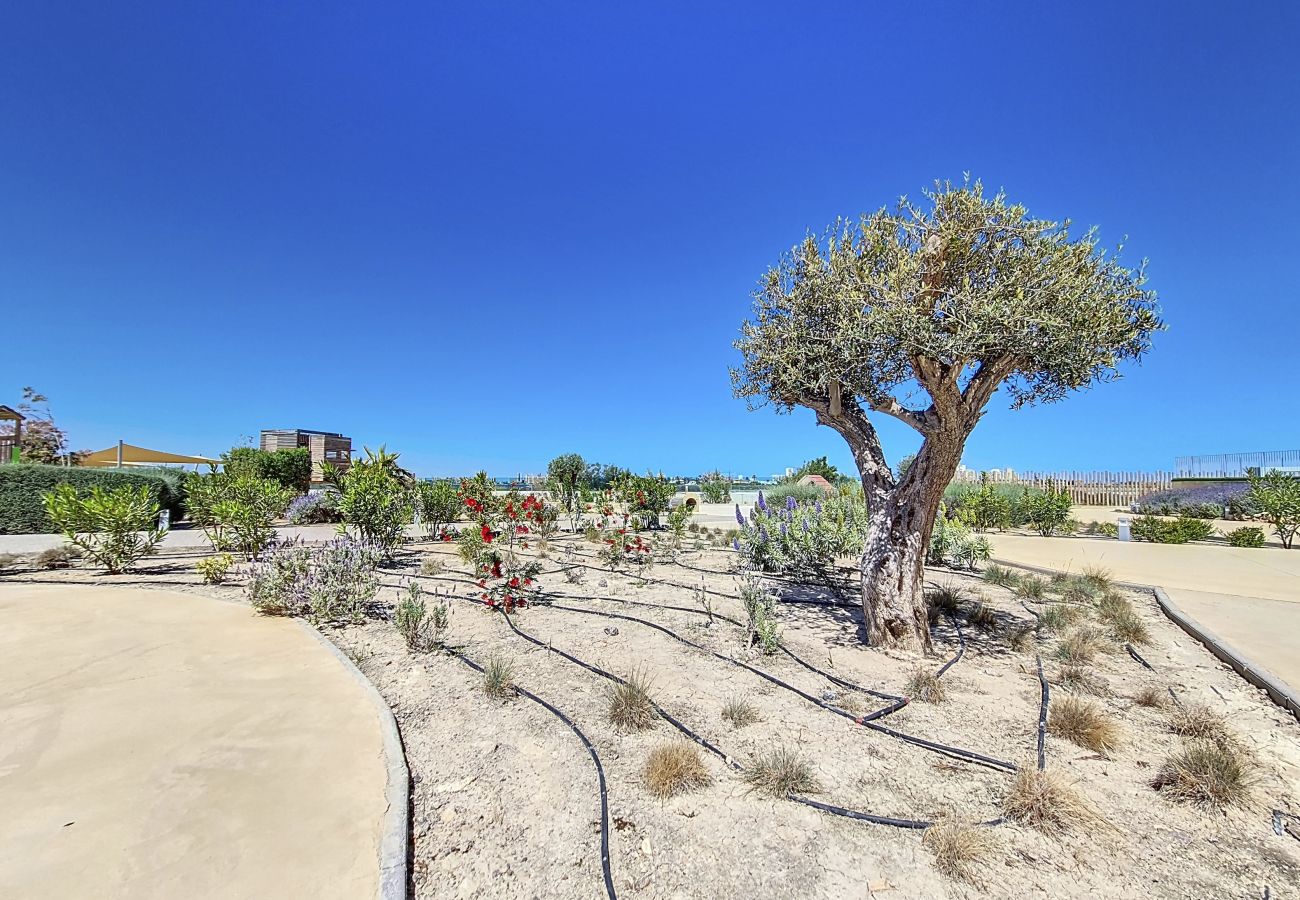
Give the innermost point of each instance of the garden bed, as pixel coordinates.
(506, 800)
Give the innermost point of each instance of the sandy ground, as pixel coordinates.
(504, 796)
(157, 744)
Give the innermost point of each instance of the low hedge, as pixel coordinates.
(23, 485)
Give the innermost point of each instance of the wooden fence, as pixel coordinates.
(1115, 489)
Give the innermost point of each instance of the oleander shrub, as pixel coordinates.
(1246, 537)
(375, 500)
(1275, 498)
(113, 528)
(439, 503)
(316, 508)
(23, 487)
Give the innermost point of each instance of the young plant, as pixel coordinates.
(421, 626)
(1246, 537)
(114, 529)
(1080, 646)
(630, 707)
(739, 713)
(376, 500)
(330, 582)
(213, 569)
(1030, 587)
(674, 768)
(761, 626)
(780, 773)
(499, 677)
(678, 517)
(1152, 697)
(506, 579)
(1000, 575)
(925, 686)
(1049, 511)
(439, 504)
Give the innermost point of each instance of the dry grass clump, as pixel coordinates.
(1083, 722)
(1097, 576)
(1046, 801)
(7, 561)
(1151, 697)
(780, 773)
(1209, 774)
(1058, 616)
(925, 686)
(1031, 587)
(946, 598)
(499, 677)
(1079, 590)
(1197, 720)
(959, 847)
(57, 558)
(982, 616)
(1000, 575)
(431, 565)
(1080, 646)
(1118, 613)
(1023, 639)
(674, 768)
(630, 708)
(1082, 680)
(740, 713)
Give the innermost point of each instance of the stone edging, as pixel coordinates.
(1277, 689)
(394, 841)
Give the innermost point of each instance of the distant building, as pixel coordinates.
(325, 447)
(819, 481)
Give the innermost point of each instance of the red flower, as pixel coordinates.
(486, 532)
(514, 582)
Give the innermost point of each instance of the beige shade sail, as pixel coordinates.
(131, 455)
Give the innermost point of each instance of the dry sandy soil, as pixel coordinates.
(506, 801)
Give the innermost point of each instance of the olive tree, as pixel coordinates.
(921, 314)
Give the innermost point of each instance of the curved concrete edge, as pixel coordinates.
(395, 841)
(1278, 690)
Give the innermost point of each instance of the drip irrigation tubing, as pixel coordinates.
(1133, 653)
(913, 824)
(1042, 715)
(867, 720)
(595, 759)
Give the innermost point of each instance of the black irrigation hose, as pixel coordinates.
(595, 758)
(1133, 653)
(867, 720)
(1042, 715)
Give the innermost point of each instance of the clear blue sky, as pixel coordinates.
(485, 234)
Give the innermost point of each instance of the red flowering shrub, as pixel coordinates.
(507, 580)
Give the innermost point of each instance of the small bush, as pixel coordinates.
(740, 713)
(1031, 587)
(1044, 800)
(7, 561)
(1098, 576)
(1000, 575)
(1246, 537)
(780, 773)
(214, 569)
(1208, 774)
(630, 707)
(57, 558)
(1082, 680)
(1084, 723)
(1059, 616)
(946, 598)
(925, 686)
(1197, 720)
(1151, 697)
(1023, 639)
(114, 528)
(499, 677)
(1171, 531)
(1128, 627)
(329, 582)
(316, 508)
(982, 616)
(432, 565)
(674, 768)
(1077, 589)
(958, 847)
(421, 626)
(1080, 646)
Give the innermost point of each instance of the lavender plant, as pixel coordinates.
(1206, 501)
(330, 582)
(802, 539)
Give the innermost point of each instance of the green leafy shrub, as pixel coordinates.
(23, 487)
(214, 569)
(1246, 537)
(113, 528)
(289, 467)
(439, 504)
(376, 502)
(802, 539)
(952, 543)
(778, 494)
(1048, 512)
(1171, 531)
(1275, 497)
(761, 627)
(715, 488)
(237, 512)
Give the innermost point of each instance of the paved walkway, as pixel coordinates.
(1249, 597)
(161, 745)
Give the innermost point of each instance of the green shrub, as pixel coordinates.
(1276, 497)
(420, 626)
(113, 528)
(214, 569)
(802, 493)
(289, 467)
(23, 487)
(715, 488)
(1246, 537)
(439, 505)
(327, 583)
(1171, 531)
(237, 512)
(1048, 513)
(375, 502)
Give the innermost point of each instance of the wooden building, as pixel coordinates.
(325, 446)
(11, 433)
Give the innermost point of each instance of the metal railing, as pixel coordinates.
(1235, 465)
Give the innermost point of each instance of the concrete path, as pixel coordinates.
(160, 745)
(1249, 597)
